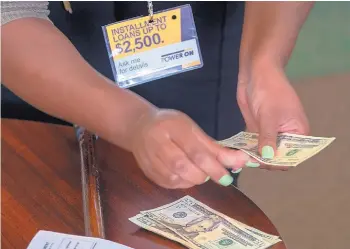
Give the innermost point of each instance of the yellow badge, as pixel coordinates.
(141, 51)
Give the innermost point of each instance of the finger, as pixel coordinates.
(178, 163)
(268, 130)
(249, 120)
(233, 159)
(253, 163)
(251, 126)
(300, 126)
(161, 175)
(230, 158)
(204, 159)
(208, 163)
(156, 171)
(242, 100)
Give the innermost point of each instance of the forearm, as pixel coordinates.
(41, 66)
(270, 31)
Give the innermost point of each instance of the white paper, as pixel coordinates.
(53, 240)
(156, 60)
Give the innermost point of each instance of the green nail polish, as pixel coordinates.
(267, 152)
(237, 171)
(226, 180)
(252, 164)
(207, 179)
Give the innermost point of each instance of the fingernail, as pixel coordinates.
(267, 152)
(237, 171)
(226, 180)
(207, 179)
(252, 164)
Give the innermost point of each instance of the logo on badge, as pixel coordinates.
(177, 55)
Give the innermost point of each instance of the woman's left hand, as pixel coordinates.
(269, 106)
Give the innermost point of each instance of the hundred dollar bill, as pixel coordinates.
(155, 227)
(291, 149)
(204, 227)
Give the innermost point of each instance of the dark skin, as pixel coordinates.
(267, 101)
(46, 71)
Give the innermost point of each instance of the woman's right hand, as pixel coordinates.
(175, 153)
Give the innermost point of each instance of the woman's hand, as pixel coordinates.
(175, 153)
(269, 106)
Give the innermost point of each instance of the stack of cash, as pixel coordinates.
(291, 149)
(195, 225)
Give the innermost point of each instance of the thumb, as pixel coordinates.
(268, 130)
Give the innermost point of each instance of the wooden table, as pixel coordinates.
(41, 190)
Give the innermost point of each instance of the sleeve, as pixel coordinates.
(13, 10)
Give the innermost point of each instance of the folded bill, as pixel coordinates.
(291, 149)
(153, 226)
(195, 225)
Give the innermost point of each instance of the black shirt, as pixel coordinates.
(207, 95)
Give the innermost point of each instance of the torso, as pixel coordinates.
(208, 95)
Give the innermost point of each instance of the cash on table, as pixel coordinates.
(195, 225)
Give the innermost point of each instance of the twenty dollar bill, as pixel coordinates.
(153, 226)
(291, 149)
(196, 225)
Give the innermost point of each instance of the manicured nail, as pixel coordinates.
(207, 179)
(226, 180)
(267, 152)
(252, 164)
(237, 171)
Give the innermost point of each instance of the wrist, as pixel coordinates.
(118, 113)
(255, 64)
(263, 69)
(263, 62)
(136, 130)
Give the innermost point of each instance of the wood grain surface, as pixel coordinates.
(41, 189)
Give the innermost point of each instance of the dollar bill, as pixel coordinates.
(272, 239)
(146, 223)
(291, 149)
(204, 227)
(155, 227)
